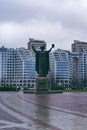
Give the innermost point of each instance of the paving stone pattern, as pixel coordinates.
(73, 102)
(16, 128)
(5, 116)
(67, 111)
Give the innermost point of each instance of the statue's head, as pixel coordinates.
(42, 48)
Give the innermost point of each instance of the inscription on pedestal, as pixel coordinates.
(42, 84)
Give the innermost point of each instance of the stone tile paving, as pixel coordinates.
(5, 116)
(45, 118)
(15, 128)
(74, 102)
(28, 111)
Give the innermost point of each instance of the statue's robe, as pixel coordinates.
(42, 63)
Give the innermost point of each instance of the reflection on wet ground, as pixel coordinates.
(67, 111)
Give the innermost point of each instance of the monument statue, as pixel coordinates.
(42, 61)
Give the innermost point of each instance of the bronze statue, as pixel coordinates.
(42, 61)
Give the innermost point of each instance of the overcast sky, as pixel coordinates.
(57, 22)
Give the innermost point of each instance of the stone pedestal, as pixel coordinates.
(42, 84)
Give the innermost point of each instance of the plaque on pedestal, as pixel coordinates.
(42, 84)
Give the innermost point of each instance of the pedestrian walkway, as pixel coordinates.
(67, 111)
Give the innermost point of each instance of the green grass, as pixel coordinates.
(75, 90)
(8, 89)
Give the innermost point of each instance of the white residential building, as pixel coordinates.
(17, 68)
(67, 66)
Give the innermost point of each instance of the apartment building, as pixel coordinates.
(68, 66)
(17, 67)
(79, 46)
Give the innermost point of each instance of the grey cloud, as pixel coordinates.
(14, 12)
(57, 21)
(69, 12)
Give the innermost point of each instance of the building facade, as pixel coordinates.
(17, 68)
(68, 66)
(61, 70)
(79, 46)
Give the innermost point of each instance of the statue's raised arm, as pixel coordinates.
(51, 47)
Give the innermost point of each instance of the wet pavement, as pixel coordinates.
(67, 111)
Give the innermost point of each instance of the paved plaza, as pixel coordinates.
(67, 111)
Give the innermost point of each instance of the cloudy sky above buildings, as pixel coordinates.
(57, 22)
